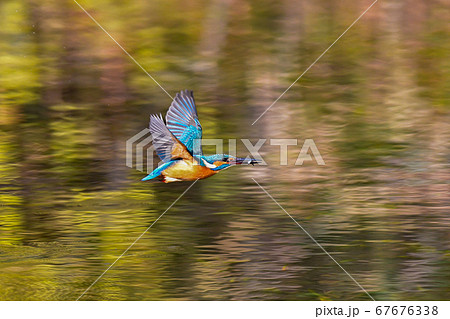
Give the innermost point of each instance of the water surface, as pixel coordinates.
(376, 105)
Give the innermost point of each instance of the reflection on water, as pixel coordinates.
(376, 106)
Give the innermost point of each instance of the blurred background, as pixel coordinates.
(376, 105)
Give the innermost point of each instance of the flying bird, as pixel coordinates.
(178, 144)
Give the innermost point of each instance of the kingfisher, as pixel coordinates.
(178, 144)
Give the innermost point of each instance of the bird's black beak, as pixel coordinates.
(246, 161)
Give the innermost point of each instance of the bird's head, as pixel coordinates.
(219, 162)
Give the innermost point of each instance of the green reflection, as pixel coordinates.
(376, 105)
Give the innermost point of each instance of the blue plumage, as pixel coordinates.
(184, 161)
(182, 121)
(158, 170)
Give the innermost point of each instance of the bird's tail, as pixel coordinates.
(157, 171)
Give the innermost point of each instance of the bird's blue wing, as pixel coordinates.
(182, 121)
(162, 139)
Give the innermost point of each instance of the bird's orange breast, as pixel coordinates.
(186, 170)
